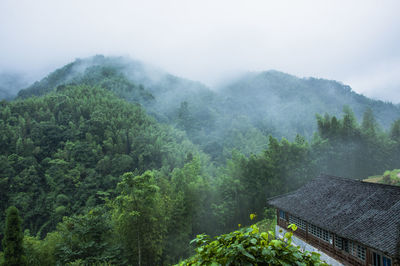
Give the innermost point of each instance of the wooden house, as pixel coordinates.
(350, 222)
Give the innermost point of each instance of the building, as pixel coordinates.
(350, 222)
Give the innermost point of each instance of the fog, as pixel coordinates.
(355, 42)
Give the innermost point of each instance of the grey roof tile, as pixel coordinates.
(365, 212)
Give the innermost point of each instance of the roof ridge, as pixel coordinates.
(281, 195)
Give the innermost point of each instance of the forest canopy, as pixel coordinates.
(107, 164)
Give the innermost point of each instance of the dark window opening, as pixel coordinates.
(282, 214)
(380, 260)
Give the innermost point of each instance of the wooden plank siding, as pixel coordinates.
(329, 248)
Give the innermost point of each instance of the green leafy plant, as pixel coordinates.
(249, 246)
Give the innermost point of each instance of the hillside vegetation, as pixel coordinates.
(109, 161)
(239, 115)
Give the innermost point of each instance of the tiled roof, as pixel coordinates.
(368, 213)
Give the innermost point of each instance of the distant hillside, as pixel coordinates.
(239, 115)
(98, 68)
(129, 79)
(291, 103)
(187, 105)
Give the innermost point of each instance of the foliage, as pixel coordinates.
(139, 214)
(249, 246)
(100, 179)
(389, 178)
(392, 177)
(14, 254)
(240, 115)
(42, 252)
(246, 182)
(62, 151)
(87, 238)
(346, 149)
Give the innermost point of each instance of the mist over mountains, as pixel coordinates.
(249, 107)
(136, 132)
(10, 84)
(103, 139)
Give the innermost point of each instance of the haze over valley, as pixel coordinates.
(133, 133)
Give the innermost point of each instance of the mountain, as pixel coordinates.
(239, 115)
(107, 161)
(74, 143)
(96, 69)
(291, 103)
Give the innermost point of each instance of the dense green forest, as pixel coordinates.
(109, 161)
(238, 115)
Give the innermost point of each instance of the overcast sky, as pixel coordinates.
(356, 42)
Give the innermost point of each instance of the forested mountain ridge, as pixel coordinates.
(187, 105)
(239, 115)
(61, 152)
(264, 90)
(290, 103)
(99, 180)
(116, 70)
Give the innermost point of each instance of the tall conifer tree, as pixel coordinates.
(13, 239)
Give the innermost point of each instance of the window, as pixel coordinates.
(320, 233)
(380, 260)
(386, 261)
(377, 259)
(341, 243)
(361, 252)
(282, 214)
(338, 242)
(346, 245)
(298, 222)
(351, 247)
(354, 249)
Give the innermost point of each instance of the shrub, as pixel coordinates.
(249, 246)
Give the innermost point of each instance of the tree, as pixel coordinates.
(349, 124)
(395, 131)
(369, 123)
(86, 238)
(185, 119)
(13, 239)
(138, 213)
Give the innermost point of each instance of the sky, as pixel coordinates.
(355, 42)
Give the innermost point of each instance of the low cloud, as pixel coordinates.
(379, 81)
(349, 41)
